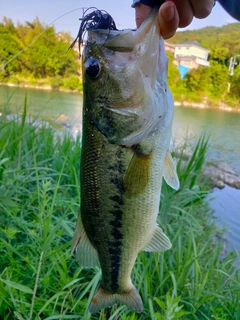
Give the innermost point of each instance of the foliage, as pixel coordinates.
(203, 83)
(48, 62)
(224, 40)
(171, 309)
(235, 88)
(39, 200)
(72, 83)
(213, 82)
(46, 57)
(9, 47)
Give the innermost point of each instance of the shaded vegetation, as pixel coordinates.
(39, 203)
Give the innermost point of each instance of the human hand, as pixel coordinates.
(175, 14)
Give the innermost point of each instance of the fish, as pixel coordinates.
(127, 128)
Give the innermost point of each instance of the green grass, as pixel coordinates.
(39, 203)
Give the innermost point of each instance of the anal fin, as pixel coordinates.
(103, 299)
(86, 254)
(159, 242)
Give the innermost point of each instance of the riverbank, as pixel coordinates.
(50, 84)
(206, 104)
(220, 175)
(217, 174)
(65, 109)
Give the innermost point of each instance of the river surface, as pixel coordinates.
(223, 128)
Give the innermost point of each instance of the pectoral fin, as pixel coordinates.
(137, 174)
(86, 254)
(159, 242)
(169, 172)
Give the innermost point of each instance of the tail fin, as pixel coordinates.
(103, 299)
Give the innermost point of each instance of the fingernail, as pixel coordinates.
(168, 12)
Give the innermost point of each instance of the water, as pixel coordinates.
(62, 107)
(223, 127)
(226, 204)
(224, 130)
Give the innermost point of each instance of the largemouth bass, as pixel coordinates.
(127, 124)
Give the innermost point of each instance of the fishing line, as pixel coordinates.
(48, 25)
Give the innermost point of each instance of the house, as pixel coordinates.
(190, 55)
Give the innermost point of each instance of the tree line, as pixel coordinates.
(44, 61)
(47, 61)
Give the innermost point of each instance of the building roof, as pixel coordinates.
(190, 44)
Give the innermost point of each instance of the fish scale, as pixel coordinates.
(127, 121)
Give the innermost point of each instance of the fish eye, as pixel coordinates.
(92, 67)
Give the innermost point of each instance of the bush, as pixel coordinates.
(56, 82)
(72, 83)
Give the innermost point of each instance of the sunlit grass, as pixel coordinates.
(39, 203)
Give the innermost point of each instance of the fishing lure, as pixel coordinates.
(97, 19)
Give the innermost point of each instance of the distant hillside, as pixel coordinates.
(213, 84)
(226, 37)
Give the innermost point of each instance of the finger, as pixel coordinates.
(141, 12)
(185, 12)
(168, 19)
(202, 9)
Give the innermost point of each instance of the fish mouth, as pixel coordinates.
(142, 45)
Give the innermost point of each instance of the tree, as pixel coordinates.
(212, 81)
(8, 49)
(44, 54)
(235, 84)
